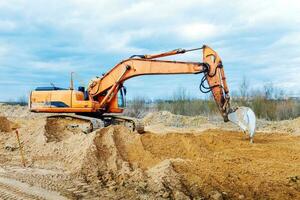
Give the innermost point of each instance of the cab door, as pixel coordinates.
(122, 98)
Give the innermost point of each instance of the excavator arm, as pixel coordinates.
(105, 88)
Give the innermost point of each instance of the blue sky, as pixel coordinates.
(43, 41)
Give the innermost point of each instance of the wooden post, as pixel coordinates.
(20, 148)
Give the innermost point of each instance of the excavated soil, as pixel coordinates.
(224, 161)
(58, 129)
(177, 158)
(5, 124)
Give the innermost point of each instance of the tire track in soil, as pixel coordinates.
(12, 193)
(11, 188)
(43, 184)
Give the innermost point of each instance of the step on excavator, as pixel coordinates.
(104, 99)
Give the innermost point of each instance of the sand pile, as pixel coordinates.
(5, 124)
(109, 162)
(17, 111)
(179, 166)
(58, 148)
(112, 157)
(168, 119)
(223, 161)
(58, 129)
(14, 110)
(163, 120)
(207, 164)
(105, 158)
(289, 126)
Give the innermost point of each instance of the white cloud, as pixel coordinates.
(7, 25)
(197, 31)
(4, 51)
(291, 39)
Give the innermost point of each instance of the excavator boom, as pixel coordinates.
(102, 88)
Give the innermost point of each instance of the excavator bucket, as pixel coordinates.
(245, 118)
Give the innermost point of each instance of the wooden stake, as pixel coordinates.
(20, 148)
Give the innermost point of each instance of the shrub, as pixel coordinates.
(137, 107)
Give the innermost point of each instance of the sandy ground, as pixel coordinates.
(178, 157)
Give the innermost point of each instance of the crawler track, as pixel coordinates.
(103, 121)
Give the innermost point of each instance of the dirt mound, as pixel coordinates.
(105, 158)
(58, 129)
(199, 164)
(109, 162)
(289, 126)
(14, 110)
(224, 161)
(168, 119)
(195, 165)
(165, 121)
(17, 111)
(55, 148)
(6, 125)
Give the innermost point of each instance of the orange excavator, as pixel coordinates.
(105, 96)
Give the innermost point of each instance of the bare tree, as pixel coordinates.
(244, 89)
(180, 94)
(22, 100)
(269, 90)
(137, 107)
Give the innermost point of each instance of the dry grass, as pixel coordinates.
(272, 109)
(138, 107)
(268, 103)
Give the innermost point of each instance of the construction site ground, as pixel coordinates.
(178, 157)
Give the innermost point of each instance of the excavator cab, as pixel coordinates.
(85, 93)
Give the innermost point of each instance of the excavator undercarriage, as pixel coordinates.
(94, 123)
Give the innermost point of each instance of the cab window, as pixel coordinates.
(121, 98)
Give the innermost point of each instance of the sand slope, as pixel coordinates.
(177, 158)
